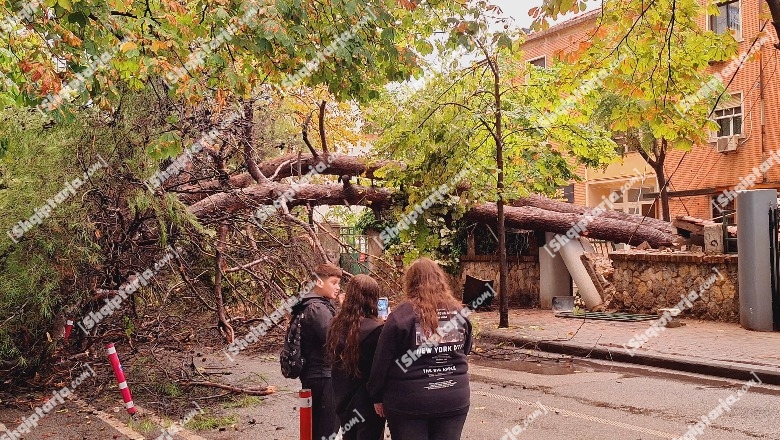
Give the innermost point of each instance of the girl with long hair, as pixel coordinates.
(419, 379)
(351, 342)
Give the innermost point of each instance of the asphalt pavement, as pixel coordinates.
(516, 394)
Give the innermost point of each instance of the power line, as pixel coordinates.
(669, 179)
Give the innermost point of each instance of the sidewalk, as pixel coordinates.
(704, 347)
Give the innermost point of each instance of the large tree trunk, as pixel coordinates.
(226, 205)
(340, 164)
(600, 228)
(540, 202)
(281, 167)
(658, 166)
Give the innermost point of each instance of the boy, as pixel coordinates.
(315, 321)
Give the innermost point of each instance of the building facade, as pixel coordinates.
(748, 122)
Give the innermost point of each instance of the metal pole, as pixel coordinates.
(305, 410)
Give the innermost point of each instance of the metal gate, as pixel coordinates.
(774, 262)
(354, 251)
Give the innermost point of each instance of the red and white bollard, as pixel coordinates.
(120, 378)
(306, 423)
(68, 328)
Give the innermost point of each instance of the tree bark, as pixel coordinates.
(658, 166)
(287, 166)
(222, 321)
(503, 264)
(524, 217)
(601, 228)
(541, 202)
(225, 204)
(280, 168)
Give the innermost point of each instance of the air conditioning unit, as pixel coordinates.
(733, 143)
(728, 143)
(721, 144)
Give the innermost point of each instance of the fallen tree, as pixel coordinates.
(210, 201)
(218, 206)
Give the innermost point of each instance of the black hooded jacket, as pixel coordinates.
(314, 330)
(412, 375)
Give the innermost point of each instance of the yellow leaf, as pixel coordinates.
(157, 45)
(127, 46)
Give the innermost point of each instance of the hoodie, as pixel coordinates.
(411, 375)
(317, 313)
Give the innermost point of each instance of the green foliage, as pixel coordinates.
(367, 220)
(449, 124)
(40, 159)
(172, 390)
(242, 402)
(659, 88)
(145, 426)
(45, 276)
(214, 50)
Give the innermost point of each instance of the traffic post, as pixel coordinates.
(120, 378)
(68, 328)
(306, 422)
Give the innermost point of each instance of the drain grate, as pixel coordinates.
(602, 316)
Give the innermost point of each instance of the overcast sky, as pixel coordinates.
(518, 10)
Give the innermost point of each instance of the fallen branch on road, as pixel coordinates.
(265, 391)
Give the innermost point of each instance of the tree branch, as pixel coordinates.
(322, 127)
(305, 134)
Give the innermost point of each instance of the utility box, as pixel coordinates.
(757, 249)
(713, 239)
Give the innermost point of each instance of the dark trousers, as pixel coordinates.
(360, 421)
(405, 427)
(323, 409)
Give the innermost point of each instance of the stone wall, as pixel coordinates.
(648, 280)
(523, 277)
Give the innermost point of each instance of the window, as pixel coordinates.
(730, 121)
(729, 19)
(539, 62)
(634, 201)
(568, 193)
(723, 212)
(729, 118)
(619, 199)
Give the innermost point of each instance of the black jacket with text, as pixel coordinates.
(414, 375)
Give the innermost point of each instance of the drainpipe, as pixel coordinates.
(763, 118)
(587, 187)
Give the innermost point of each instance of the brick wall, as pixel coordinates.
(703, 167)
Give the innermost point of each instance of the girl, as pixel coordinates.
(351, 343)
(419, 379)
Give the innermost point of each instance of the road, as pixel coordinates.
(579, 400)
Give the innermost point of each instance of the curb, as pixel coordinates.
(677, 363)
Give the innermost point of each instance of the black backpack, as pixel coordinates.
(290, 358)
